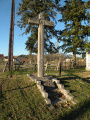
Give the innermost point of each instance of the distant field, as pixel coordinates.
(21, 100)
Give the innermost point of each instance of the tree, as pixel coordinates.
(31, 9)
(76, 17)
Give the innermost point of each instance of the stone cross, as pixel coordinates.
(40, 57)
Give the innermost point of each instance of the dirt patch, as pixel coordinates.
(52, 90)
(84, 74)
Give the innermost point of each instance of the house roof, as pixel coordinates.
(13, 57)
(2, 56)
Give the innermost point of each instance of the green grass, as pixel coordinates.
(21, 100)
(78, 83)
(2, 64)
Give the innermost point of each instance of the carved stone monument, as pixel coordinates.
(88, 61)
(40, 57)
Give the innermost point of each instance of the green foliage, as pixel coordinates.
(87, 46)
(30, 9)
(76, 16)
(21, 100)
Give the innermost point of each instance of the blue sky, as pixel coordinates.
(19, 41)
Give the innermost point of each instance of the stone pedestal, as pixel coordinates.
(88, 61)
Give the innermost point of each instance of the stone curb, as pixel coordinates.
(60, 87)
(41, 88)
(48, 101)
(31, 78)
(65, 92)
(55, 80)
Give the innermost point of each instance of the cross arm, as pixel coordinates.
(33, 21)
(48, 23)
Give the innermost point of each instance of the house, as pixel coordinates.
(1, 56)
(6, 58)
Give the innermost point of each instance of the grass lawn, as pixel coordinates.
(21, 100)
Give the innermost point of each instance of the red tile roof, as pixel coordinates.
(1, 56)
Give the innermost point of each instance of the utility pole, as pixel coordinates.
(11, 38)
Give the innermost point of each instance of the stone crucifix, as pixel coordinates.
(40, 57)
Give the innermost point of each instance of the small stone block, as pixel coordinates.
(51, 107)
(48, 101)
(57, 81)
(54, 79)
(28, 75)
(65, 92)
(62, 100)
(45, 95)
(68, 91)
(38, 82)
(60, 86)
(69, 97)
(40, 87)
(35, 80)
(73, 102)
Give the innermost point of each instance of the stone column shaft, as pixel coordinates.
(40, 50)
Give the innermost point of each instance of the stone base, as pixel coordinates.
(47, 84)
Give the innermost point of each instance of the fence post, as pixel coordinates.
(46, 66)
(58, 66)
(30, 62)
(15, 67)
(62, 65)
(60, 69)
(65, 65)
(70, 63)
(35, 67)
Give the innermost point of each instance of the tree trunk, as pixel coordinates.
(74, 59)
(11, 37)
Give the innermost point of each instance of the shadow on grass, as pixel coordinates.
(1, 92)
(62, 79)
(19, 88)
(77, 113)
(76, 77)
(72, 72)
(24, 71)
(83, 79)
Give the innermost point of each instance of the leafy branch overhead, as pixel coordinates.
(76, 16)
(30, 9)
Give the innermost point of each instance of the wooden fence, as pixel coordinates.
(65, 65)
